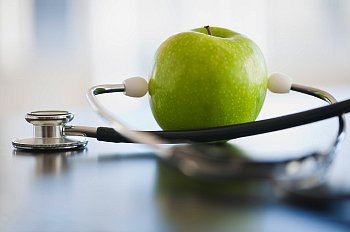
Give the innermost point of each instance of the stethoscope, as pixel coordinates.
(198, 159)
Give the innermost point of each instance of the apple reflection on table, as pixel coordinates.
(200, 204)
(187, 204)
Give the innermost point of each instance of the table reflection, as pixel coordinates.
(50, 163)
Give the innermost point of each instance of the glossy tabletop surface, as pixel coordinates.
(123, 187)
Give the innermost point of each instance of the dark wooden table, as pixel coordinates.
(122, 187)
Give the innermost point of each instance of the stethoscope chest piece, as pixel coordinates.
(48, 132)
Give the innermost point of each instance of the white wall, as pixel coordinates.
(307, 39)
(310, 40)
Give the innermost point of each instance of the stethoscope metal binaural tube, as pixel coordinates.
(194, 163)
(224, 132)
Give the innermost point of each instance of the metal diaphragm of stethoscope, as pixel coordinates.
(198, 159)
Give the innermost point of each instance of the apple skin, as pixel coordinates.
(200, 80)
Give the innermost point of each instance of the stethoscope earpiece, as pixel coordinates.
(279, 83)
(135, 87)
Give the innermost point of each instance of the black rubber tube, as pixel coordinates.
(237, 131)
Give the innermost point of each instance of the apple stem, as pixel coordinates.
(208, 29)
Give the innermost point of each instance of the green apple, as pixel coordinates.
(207, 77)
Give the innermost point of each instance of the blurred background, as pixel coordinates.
(51, 51)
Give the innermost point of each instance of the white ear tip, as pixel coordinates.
(135, 87)
(279, 83)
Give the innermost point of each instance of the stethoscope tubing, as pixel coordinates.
(228, 132)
